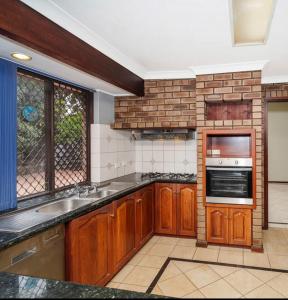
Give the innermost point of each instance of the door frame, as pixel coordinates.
(266, 167)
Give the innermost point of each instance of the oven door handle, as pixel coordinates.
(228, 169)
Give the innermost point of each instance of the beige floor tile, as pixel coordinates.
(230, 257)
(177, 286)
(131, 287)
(206, 254)
(187, 266)
(220, 289)
(280, 284)
(157, 291)
(171, 271)
(113, 285)
(278, 261)
(264, 291)
(202, 276)
(154, 239)
(223, 271)
(187, 242)
(264, 276)
(146, 248)
(256, 259)
(142, 276)
(194, 295)
(167, 240)
(233, 249)
(135, 259)
(152, 261)
(161, 250)
(183, 252)
(243, 281)
(216, 247)
(120, 276)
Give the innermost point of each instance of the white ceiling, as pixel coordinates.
(170, 38)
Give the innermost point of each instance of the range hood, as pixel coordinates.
(164, 134)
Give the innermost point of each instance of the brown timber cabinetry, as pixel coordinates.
(89, 247)
(229, 225)
(175, 209)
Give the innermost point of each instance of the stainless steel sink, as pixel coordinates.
(62, 206)
(102, 193)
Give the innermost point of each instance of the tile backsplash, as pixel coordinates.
(112, 153)
(166, 156)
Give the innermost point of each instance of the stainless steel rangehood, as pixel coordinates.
(164, 134)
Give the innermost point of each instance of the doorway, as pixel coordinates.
(276, 163)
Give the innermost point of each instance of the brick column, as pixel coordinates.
(236, 86)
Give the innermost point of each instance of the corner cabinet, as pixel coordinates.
(175, 209)
(89, 247)
(229, 225)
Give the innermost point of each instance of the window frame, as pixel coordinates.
(50, 129)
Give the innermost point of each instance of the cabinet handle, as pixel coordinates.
(139, 200)
(112, 216)
(24, 255)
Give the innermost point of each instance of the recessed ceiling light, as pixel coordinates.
(21, 56)
(251, 21)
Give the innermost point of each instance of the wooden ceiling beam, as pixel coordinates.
(23, 24)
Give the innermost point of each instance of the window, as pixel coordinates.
(53, 123)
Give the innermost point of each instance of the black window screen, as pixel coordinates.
(53, 135)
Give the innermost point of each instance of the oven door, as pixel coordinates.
(229, 185)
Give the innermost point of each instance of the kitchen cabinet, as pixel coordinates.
(144, 215)
(175, 209)
(186, 209)
(165, 208)
(89, 247)
(217, 225)
(229, 225)
(124, 230)
(240, 221)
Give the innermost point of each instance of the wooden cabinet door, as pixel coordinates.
(124, 230)
(186, 209)
(144, 215)
(240, 221)
(217, 225)
(165, 208)
(89, 247)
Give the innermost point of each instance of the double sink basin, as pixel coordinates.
(18, 222)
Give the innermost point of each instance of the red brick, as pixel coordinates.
(225, 76)
(200, 85)
(206, 91)
(172, 88)
(211, 84)
(214, 97)
(251, 81)
(256, 74)
(242, 75)
(246, 88)
(180, 82)
(164, 83)
(232, 82)
(156, 90)
(149, 83)
(233, 96)
(223, 90)
(188, 88)
(181, 94)
(252, 95)
(172, 101)
(204, 78)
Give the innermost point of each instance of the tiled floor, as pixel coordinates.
(278, 202)
(188, 279)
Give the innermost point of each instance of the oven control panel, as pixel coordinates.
(228, 162)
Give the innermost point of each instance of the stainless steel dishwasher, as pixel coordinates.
(42, 255)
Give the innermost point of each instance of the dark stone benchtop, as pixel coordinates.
(19, 286)
(8, 239)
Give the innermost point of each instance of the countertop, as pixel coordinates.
(18, 286)
(8, 239)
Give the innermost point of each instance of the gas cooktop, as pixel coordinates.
(182, 176)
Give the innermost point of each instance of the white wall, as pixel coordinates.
(278, 141)
(166, 156)
(112, 153)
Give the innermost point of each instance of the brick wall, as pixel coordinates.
(231, 87)
(167, 103)
(275, 90)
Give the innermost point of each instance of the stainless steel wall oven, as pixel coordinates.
(229, 180)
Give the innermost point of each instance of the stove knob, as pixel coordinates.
(220, 162)
(236, 162)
